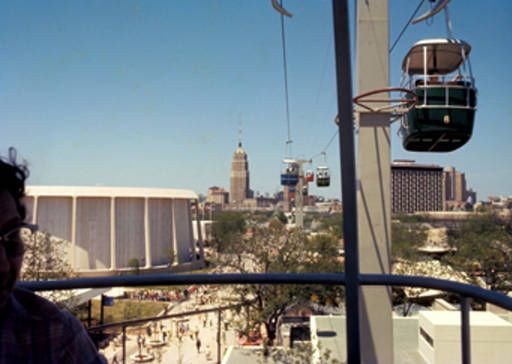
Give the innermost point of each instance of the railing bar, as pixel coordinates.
(468, 290)
(465, 330)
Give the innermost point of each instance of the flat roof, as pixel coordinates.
(402, 165)
(102, 191)
(452, 318)
(405, 337)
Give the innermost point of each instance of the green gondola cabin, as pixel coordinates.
(439, 73)
(323, 177)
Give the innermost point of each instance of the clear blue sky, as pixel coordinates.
(152, 93)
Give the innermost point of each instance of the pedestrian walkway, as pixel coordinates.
(181, 339)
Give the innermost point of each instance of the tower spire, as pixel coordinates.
(240, 133)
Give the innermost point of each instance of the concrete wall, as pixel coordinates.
(107, 227)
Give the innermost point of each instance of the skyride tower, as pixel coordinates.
(374, 182)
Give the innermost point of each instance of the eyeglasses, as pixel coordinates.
(12, 239)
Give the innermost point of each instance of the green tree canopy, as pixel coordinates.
(483, 246)
(227, 227)
(277, 249)
(333, 224)
(406, 238)
(45, 258)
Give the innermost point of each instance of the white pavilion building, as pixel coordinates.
(106, 227)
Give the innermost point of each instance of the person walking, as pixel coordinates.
(198, 344)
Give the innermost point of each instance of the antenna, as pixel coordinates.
(240, 132)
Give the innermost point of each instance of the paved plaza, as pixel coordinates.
(181, 338)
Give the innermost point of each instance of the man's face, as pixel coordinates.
(10, 261)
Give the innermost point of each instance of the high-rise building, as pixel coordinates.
(455, 185)
(239, 178)
(218, 196)
(416, 187)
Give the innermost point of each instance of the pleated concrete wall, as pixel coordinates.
(107, 227)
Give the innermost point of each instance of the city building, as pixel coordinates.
(107, 227)
(416, 187)
(456, 192)
(239, 178)
(218, 196)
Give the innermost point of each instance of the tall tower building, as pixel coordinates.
(239, 178)
(455, 185)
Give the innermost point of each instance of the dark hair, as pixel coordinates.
(12, 179)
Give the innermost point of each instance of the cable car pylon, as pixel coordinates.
(294, 180)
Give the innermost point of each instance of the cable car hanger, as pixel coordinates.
(279, 7)
(433, 11)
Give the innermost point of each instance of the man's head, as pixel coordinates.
(12, 216)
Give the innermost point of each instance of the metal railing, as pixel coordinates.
(466, 292)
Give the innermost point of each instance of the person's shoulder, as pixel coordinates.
(57, 328)
(36, 307)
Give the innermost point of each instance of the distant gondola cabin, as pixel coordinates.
(439, 73)
(290, 175)
(323, 177)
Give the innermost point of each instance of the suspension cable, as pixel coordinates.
(406, 25)
(285, 70)
(448, 22)
(324, 151)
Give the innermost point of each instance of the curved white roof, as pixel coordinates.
(443, 56)
(95, 191)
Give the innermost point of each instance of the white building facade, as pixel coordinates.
(109, 227)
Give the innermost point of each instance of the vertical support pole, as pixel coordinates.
(73, 233)
(465, 336)
(124, 344)
(192, 244)
(34, 209)
(102, 312)
(299, 216)
(113, 252)
(219, 319)
(374, 175)
(147, 234)
(175, 251)
(89, 313)
(199, 233)
(348, 180)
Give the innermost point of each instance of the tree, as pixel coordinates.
(333, 224)
(281, 217)
(227, 227)
(277, 249)
(483, 246)
(134, 264)
(406, 238)
(45, 258)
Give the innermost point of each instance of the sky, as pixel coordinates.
(158, 93)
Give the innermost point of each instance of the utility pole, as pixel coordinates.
(374, 176)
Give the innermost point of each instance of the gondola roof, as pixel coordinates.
(443, 56)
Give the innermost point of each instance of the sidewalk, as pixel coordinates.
(184, 350)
